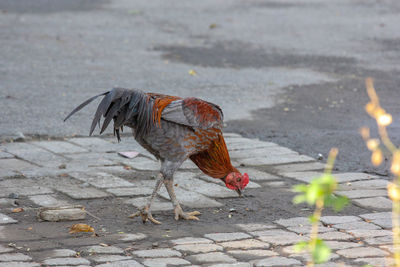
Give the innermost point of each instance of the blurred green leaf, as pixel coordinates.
(300, 246)
(321, 252)
(299, 199)
(313, 219)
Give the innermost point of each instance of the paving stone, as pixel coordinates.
(101, 180)
(116, 170)
(130, 191)
(306, 229)
(288, 239)
(369, 233)
(376, 215)
(103, 250)
(164, 262)
(341, 244)
(276, 261)
(221, 237)
(211, 257)
(14, 257)
(78, 193)
(93, 144)
(246, 144)
(60, 147)
(157, 205)
(190, 198)
(307, 257)
(374, 202)
(362, 252)
(296, 221)
(4, 219)
(257, 175)
(245, 244)
(4, 249)
(340, 177)
(238, 264)
(191, 240)
(298, 167)
(187, 181)
(126, 237)
(339, 219)
(5, 155)
(108, 258)
(363, 193)
(335, 235)
(262, 152)
(274, 159)
(388, 239)
(15, 165)
(143, 164)
(356, 225)
(250, 227)
(198, 248)
(377, 262)
(19, 264)
(59, 253)
(42, 171)
(127, 263)
(271, 232)
(157, 253)
(8, 173)
(66, 261)
(252, 253)
(25, 191)
(35, 154)
(367, 184)
(385, 223)
(47, 201)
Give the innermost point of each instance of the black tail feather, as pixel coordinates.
(84, 104)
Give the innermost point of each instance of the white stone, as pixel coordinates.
(4, 219)
(220, 237)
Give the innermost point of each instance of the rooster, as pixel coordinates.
(173, 129)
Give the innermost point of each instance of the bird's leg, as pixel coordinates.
(177, 207)
(145, 212)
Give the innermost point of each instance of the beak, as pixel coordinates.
(239, 192)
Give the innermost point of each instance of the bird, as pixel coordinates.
(173, 129)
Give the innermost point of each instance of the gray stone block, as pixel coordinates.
(335, 235)
(19, 264)
(339, 219)
(103, 250)
(252, 253)
(362, 193)
(47, 201)
(4, 219)
(367, 184)
(356, 225)
(108, 258)
(245, 244)
(157, 253)
(6, 257)
(76, 192)
(15, 165)
(341, 244)
(126, 237)
(238, 264)
(125, 263)
(362, 252)
(4, 249)
(221, 237)
(130, 191)
(60, 147)
(190, 240)
(62, 214)
(375, 202)
(376, 261)
(66, 261)
(256, 175)
(251, 227)
(274, 159)
(211, 257)
(60, 253)
(142, 164)
(299, 167)
(276, 261)
(381, 240)
(101, 180)
(198, 248)
(246, 144)
(164, 262)
(94, 144)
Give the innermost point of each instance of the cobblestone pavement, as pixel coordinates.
(89, 172)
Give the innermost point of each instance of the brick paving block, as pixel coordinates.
(385, 223)
(60, 147)
(14, 257)
(66, 261)
(93, 144)
(211, 257)
(117, 170)
(296, 221)
(250, 227)
(238, 264)
(108, 258)
(101, 180)
(362, 193)
(339, 219)
(47, 201)
(367, 184)
(130, 191)
(157, 253)
(306, 256)
(376, 215)
(257, 175)
(191, 240)
(369, 233)
(4, 249)
(221, 237)
(377, 261)
(306, 229)
(299, 167)
(164, 262)
(78, 193)
(5, 155)
(362, 252)
(19, 264)
(388, 239)
(127, 263)
(15, 165)
(335, 235)
(103, 250)
(187, 181)
(245, 244)
(374, 202)
(280, 240)
(126, 237)
(342, 244)
(198, 248)
(274, 159)
(253, 253)
(157, 205)
(190, 198)
(142, 164)
(42, 171)
(271, 232)
(60, 253)
(4, 219)
(276, 261)
(26, 191)
(356, 225)
(35, 154)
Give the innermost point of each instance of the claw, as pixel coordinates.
(145, 214)
(185, 215)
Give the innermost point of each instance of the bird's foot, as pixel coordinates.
(146, 215)
(185, 215)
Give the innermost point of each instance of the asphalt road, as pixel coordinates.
(287, 71)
